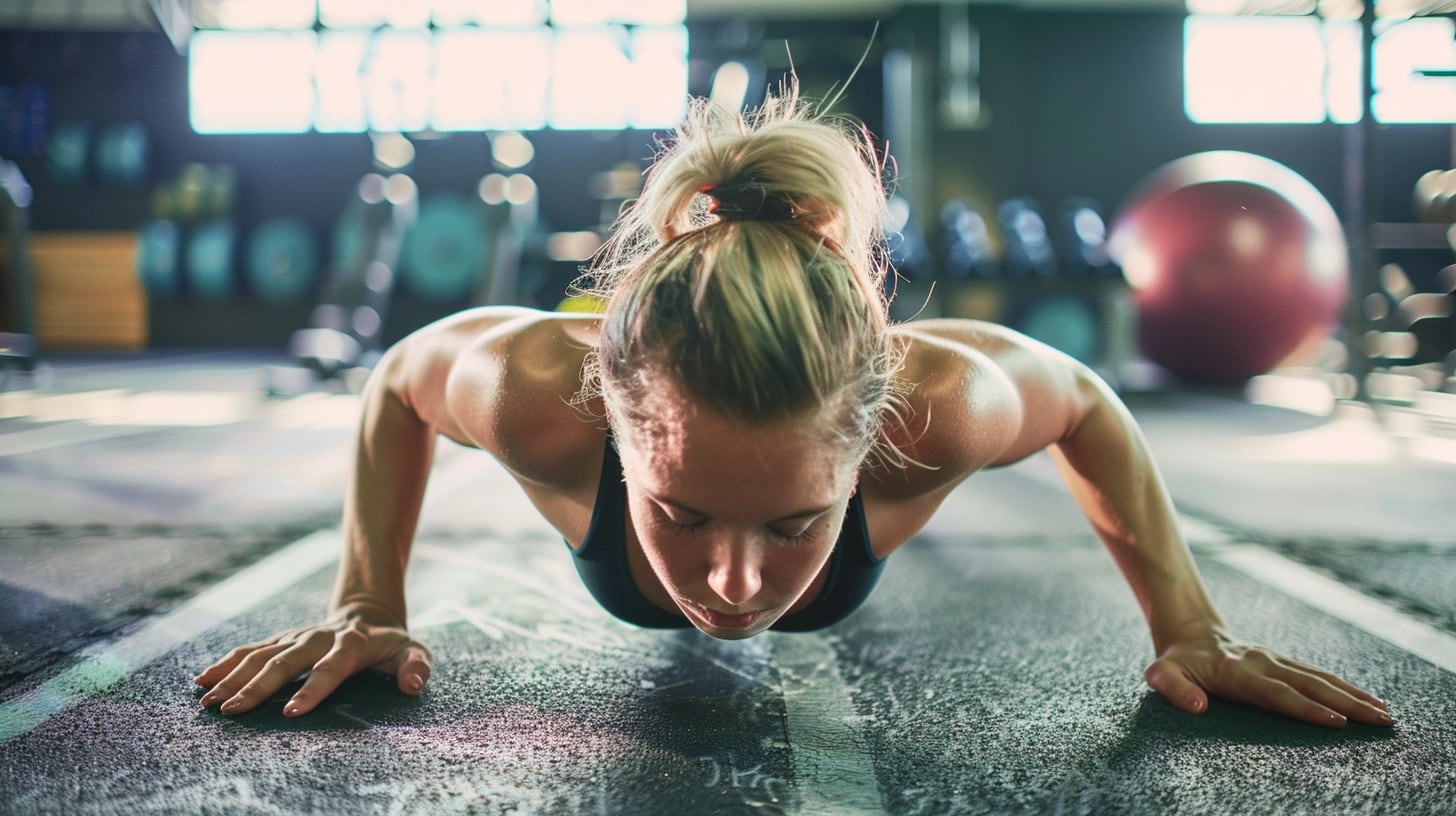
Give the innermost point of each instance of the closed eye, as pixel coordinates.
(683, 529)
(808, 533)
(677, 526)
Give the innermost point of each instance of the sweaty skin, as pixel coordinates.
(502, 379)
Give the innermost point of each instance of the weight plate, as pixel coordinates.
(282, 261)
(210, 261)
(445, 250)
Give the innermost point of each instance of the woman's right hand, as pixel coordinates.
(356, 637)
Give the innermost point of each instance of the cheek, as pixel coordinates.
(671, 560)
(672, 557)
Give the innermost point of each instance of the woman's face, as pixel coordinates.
(736, 520)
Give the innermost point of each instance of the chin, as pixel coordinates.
(729, 627)
(731, 634)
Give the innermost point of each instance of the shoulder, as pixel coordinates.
(987, 395)
(961, 408)
(973, 396)
(506, 381)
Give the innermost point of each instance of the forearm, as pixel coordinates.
(393, 454)
(1106, 464)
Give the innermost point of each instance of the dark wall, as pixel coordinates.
(1089, 103)
(1082, 104)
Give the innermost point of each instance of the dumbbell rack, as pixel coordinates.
(1386, 364)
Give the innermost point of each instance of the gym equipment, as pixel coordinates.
(282, 264)
(968, 249)
(1028, 247)
(190, 190)
(520, 271)
(1065, 322)
(1435, 196)
(345, 332)
(159, 259)
(1081, 239)
(444, 254)
(68, 151)
(346, 247)
(17, 320)
(1234, 260)
(219, 191)
(208, 261)
(121, 154)
(905, 239)
(1429, 318)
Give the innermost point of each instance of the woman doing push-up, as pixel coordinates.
(743, 437)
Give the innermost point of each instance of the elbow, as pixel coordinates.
(1092, 400)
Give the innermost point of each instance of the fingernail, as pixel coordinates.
(231, 705)
(1384, 718)
(207, 700)
(291, 710)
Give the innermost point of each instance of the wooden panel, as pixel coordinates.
(87, 295)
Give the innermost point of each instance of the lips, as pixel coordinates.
(719, 620)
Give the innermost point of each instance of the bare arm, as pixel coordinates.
(1106, 465)
(1058, 404)
(404, 409)
(1043, 400)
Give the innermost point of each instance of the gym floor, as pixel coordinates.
(158, 509)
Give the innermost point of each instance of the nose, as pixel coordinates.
(734, 573)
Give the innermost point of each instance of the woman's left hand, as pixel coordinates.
(1190, 668)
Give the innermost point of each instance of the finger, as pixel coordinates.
(1334, 697)
(343, 660)
(1340, 683)
(1166, 678)
(279, 670)
(244, 671)
(224, 665)
(411, 668)
(1279, 696)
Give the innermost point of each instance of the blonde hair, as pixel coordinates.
(751, 270)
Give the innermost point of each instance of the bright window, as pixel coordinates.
(446, 65)
(1254, 69)
(491, 80)
(251, 82)
(468, 78)
(1305, 69)
(1402, 92)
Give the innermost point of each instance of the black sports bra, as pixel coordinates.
(601, 561)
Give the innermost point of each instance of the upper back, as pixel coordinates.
(505, 380)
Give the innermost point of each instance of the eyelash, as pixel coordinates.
(797, 538)
(686, 529)
(682, 529)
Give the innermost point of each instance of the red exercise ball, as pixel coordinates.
(1235, 261)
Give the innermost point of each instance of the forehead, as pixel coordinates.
(676, 448)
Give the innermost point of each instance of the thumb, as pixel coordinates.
(1169, 680)
(411, 668)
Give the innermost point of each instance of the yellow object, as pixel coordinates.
(87, 294)
(586, 304)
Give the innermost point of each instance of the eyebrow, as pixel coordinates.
(802, 514)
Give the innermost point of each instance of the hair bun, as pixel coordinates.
(748, 200)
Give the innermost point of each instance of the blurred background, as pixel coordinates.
(216, 214)
(1196, 193)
